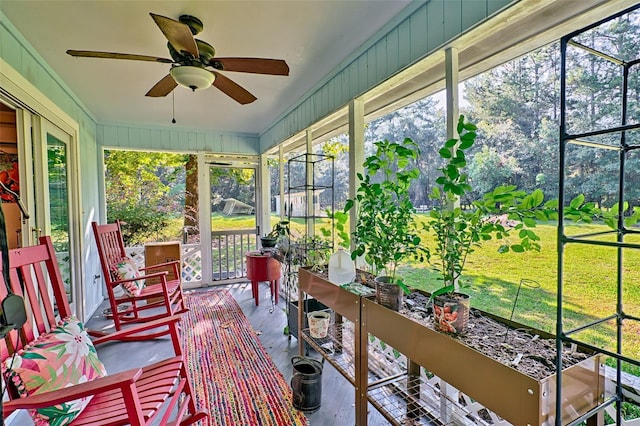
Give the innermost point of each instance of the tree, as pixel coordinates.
(191, 194)
(488, 170)
(231, 183)
(138, 188)
(423, 122)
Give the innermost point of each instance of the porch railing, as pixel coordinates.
(228, 250)
(227, 253)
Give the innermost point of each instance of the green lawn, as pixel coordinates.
(589, 285)
(221, 222)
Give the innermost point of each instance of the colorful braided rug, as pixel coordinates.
(231, 373)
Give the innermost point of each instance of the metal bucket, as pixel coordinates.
(306, 383)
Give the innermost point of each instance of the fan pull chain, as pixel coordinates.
(173, 102)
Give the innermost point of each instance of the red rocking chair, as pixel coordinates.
(159, 393)
(140, 299)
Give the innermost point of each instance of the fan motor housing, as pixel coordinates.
(192, 22)
(205, 50)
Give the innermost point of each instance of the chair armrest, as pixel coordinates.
(172, 266)
(173, 263)
(48, 399)
(141, 277)
(101, 337)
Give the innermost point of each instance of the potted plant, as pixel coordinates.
(458, 232)
(386, 233)
(277, 234)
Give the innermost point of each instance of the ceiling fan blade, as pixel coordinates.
(163, 87)
(252, 65)
(233, 89)
(178, 34)
(110, 55)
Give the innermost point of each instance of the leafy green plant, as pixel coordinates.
(339, 221)
(630, 216)
(139, 223)
(280, 229)
(278, 235)
(310, 252)
(385, 232)
(502, 214)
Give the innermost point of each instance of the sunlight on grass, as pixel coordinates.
(221, 222)
(590, 285)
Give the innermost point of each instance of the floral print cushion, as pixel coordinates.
(61, 358)
(126, 269)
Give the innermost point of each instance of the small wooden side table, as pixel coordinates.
(263, 267)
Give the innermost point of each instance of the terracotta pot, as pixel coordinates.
(451, 312)
(388, 294)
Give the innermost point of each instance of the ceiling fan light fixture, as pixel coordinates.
(194, 78)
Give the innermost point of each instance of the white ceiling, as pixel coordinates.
(313, 36)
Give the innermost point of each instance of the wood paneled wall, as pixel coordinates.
(175, 140)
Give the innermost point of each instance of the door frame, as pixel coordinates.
(42, 128)
(36, 113)
(205, 161)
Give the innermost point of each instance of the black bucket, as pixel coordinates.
(306, 384)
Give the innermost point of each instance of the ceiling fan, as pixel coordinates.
(193, 63)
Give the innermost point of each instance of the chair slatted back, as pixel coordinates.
(110, 246)
(35, 276)
(134, 396)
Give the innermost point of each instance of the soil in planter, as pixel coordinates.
(526, 352)
(518, 348)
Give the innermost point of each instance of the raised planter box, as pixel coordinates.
(512, 395)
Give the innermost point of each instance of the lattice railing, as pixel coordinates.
(191, 261)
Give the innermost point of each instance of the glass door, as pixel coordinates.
(56, 194)
(233, 220)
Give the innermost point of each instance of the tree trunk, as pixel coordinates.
(191, 195)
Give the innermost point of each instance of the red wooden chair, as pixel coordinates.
(137, 396)
(162, 288)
